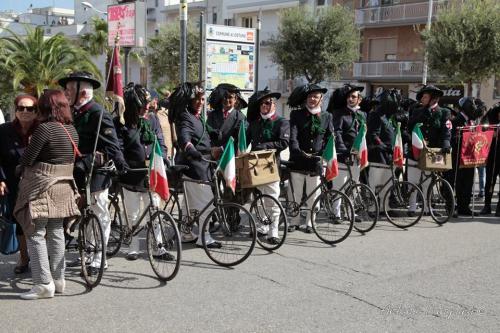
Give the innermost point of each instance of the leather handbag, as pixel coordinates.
(432, 159)
(257, 168)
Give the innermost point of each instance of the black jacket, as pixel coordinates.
(380, 137)
(193, 134)
(277, 139)
(86, 121)
(304, 140)
(136, 151)
(346, 124)
(222, 129)
(11, 149)
(436, 127)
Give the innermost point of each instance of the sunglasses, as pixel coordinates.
(26, 108)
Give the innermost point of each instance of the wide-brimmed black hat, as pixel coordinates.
(429, 89)
(80, 76)
(349, 88)
(253, 110)
(217, 95)
(300, 93)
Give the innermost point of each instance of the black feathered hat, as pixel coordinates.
(429, 89)
(181, 98)
(300, 93)
(253, 110)
(349, 88)
(80, 76)
(217, 96)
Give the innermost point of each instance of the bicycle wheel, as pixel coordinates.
(440, 200)
(264, 208)
(332, 216)
(117, 232)
(92, 249)
(398, 205)
(365, 205)
(232, 227)
(173, 207)
(164, 245)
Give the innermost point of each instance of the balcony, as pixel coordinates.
(397, 15)
(388, 70)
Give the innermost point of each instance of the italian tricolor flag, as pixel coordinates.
(227, 164)
(417, 141)
(157, 176)
(359, 146)
(330, 157)
(242, 139)
(397, 154)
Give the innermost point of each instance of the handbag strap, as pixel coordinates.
(75, 147)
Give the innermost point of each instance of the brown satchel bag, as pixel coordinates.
(257, 168)
(432, 159)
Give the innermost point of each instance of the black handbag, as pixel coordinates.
(8, 238)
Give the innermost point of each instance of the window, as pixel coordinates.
(214, 15)
(381, 49)
(228, 22)
(156, 3)
(320, 2)
(246, 22)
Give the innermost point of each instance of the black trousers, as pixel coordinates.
(492, 172)
(463, 185)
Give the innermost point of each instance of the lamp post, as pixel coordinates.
(183, 17)
(426, 56)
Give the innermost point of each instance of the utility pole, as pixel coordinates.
(426, 56)
(183, 17)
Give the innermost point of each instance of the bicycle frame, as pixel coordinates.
(392, 180)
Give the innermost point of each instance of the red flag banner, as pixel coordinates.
(114, 86)
(475, 146)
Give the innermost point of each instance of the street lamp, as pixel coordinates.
(87, 5)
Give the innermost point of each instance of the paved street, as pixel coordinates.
(425, 279)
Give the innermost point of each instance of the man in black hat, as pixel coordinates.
(225, 119)
(188, 101)
(79, 89)
(493, 162)
(138, 133)
(268, 131)
(380, 138)
(310, 129)
(462, 179)
(436, 129)
(347, 123)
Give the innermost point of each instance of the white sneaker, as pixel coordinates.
(60, 286)
(40, 291)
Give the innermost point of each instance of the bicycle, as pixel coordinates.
(262, 207)
(332, 213)
(440, 196)
(89, 243)
(222, 224)
(163, 241)
(366, 209)
(396, 201)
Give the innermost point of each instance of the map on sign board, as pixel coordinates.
(230, 57)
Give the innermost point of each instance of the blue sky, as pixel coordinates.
(22, 5)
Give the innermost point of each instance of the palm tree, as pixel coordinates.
(96, 43)
(36, 62)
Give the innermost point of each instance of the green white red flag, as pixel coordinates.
(360, 148)
(330, 157)
(158, 181)
(242, 139)
(417, 141)
(227, 165)
(397, 153)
